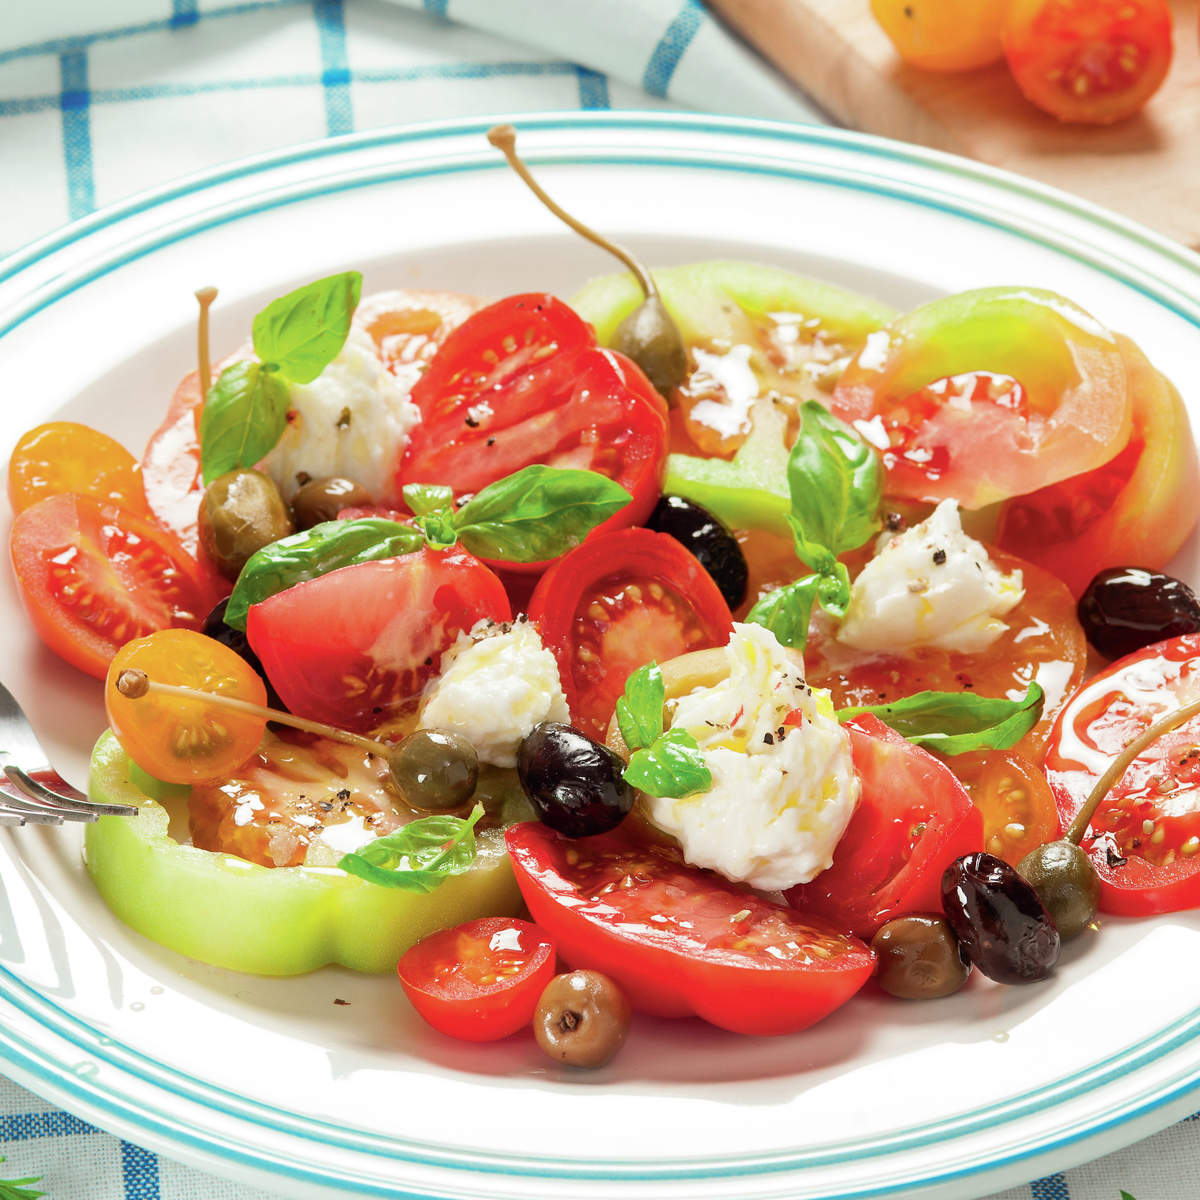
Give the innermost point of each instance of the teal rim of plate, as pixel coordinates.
(26, 1058)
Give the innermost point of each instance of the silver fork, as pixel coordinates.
(31, 791)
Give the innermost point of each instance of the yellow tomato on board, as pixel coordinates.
(943, 35)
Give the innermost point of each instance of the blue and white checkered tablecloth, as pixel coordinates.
(100, 100)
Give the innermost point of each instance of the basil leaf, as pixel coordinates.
(955, 722)
(673, 766)
(537, 513)
(640, 709)
(833, 589)
(418, 856)
(423, 498)
(314, 552)
(301, 333)
(835, 482)
(438, 528)
(786, 611)
(244, 414)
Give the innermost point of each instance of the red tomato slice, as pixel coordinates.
(680, 941)
(355, 646)
(912, 821)
(94, 577)
(617, 602)
(1144, 839)
(1088, 61)
(1137, 508)
(479, 981)
(171, 465)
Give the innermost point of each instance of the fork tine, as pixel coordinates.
(66, 798)
(39, 804)
(10, 816)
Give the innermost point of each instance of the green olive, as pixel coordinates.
(435, 769)
(242, 511)
(321, 500)
(919, 958)
(1066, 883)
(582, 1019)
(651, 338)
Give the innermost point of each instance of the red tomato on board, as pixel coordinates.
(354, 646)
(615, 603)
(479, 981)
(912, 821)
(1144, 839)
(680, 941)
(94, 577)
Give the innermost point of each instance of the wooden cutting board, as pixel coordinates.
(1147, 167)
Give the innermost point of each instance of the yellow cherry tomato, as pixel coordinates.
(943, 35)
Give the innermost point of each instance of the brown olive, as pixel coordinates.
(919, 958)
(321, 500)
(582, 1019)
(651, 338)
(435, 769)
(242, 511)
(1066, 883)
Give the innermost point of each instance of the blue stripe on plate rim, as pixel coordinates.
(27, 1059)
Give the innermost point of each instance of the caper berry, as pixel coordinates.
(321, 500)
(698, 531)
(582, 1019)
(919, 958)
(1066, 882)
(434, 769)
(242, 511)
(651, 338)
(1126, 608)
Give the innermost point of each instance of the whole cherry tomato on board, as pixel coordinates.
(943, 35)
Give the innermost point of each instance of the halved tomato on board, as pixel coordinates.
(1137, 508)
(354, 647)
(94, 577)
(680, 941)
(912, 821)
(617, 602)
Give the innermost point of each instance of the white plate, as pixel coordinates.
(274, 1083)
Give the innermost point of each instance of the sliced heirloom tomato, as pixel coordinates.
(617, 602)
(1144, 839)
(408, 325)
(1137, 508)
(988, 394)
(94, 577)
(912, 821)
(680, 941)
(354, 647)
(521, 382)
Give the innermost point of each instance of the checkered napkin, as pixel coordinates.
(103, 98)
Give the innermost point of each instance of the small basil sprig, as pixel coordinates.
(664, 764)
(418, 856)
(835, 483)
(295, 338)
(956, 722)
(18, 1189)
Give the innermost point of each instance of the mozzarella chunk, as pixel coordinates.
(495, 685)
(781, 795)
(931, 585)
(353, 420)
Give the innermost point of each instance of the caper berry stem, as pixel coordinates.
(205, 295)
(1121, 764)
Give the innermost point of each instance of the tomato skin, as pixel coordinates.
(480, 981)
(562, 602)
(1138, 508)
(912, 821)
(943, 35)
(696, 962)
(93, 576)
(1138, 876)
(1088, 61)
(64, 456)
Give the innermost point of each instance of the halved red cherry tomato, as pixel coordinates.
(680, 941)
(355, 646)
(65, 456)
(1137, 508)
(988, 394)
(615, 603)
(1089, 61)
(523, 382)
(912, 821)
(479, 981)
(94, 577)
(1144, 839)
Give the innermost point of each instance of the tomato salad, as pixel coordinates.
(748, 685)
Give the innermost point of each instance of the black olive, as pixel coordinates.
(699, 531)
(1001, 924)
(1126, 608)
(576, 785)
(1066, 882)
(321, 500)
(216, 628)
(582, 1019)
(919, 958)
(435, 769)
